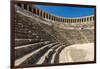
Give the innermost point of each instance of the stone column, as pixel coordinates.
(62, 19)
(47, 15)
(51, 17)
(39, 12)
(44, 14)
(67, 20)
(86, 19)
(83, 20)
(36, 11)
(59, 19)
(71, 20)
(89, 19)
(22, 5)
(32, 9)
(27, 7)
(92, 18)
(75, 20)
(55, 18)
(80, 20)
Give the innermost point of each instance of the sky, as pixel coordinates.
(67, 11)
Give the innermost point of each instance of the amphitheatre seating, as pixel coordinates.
(30, 37)
(49, 57)
(35, 57)
(19, 42)
(76, 36)
(89, 34)
(28, 48)
(56, 59)
(54, 32)
(43, 41)
(29, 27)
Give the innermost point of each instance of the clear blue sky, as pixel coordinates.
(67, 11)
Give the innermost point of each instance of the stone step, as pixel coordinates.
(54, 55)
(56, 58)
(20, 35)
(43, 59)
(24, 49)
(30, 57)
(19, 42)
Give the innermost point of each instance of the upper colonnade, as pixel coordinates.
(44, 14)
